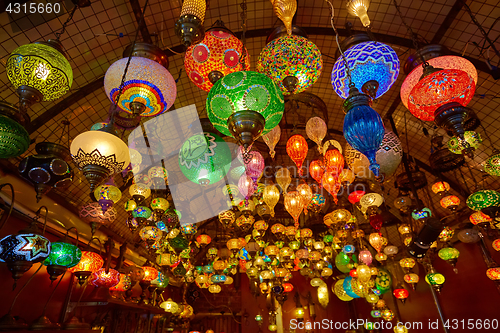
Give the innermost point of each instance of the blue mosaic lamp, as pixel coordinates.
(363, 127)
(374, 67)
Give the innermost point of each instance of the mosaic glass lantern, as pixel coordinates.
(227, 217)
(479, 218)
(388, 156)
(99, 154)
(149, 88)
(90, 262)
(374, 67)
(421, 214)
(23, 249)
(493, 273)
(15, 139)
(203, 239)
(139, 192)
(205, 158)
(445, 62)
(124, 284)
(104, 279)
(457, 146)
(363, 127)
(39, 72)
(150, 273)
(48, 168)
(216, 56)
(245, 105)
(439, 89)
(293, 62)
(440, 187)
(189, 26)
(92, 213)
(106, 195)
(492, 165)
(169, 306)
(317, 203)
(63, 255)
(450, 202)
(296, 148)
(150, 234)
(483, 199)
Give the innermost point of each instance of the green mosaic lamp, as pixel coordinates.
(14, 139)
(245, 105)
(39, 72)
(63, 255)
(492, 164)
(205, 158)
(486, 201)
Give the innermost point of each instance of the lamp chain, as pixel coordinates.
(243, 16)
(122, 84)
(351, 84)
(70, 17)
(412, 34)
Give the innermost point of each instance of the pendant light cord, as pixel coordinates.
(412, 34)
(70, 17)
(351, 84)
(122, 84)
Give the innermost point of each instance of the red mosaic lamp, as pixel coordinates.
(217, 55)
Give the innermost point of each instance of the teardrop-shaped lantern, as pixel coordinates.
(331, 184)
(271, 139)
(363, 126)
(334, 161)
(316, 170)
(283, 178)
(255, 166)
(296, 148)
(294, 205)
(271, 197)
(245, 185)
(316, 130)
(305, 195)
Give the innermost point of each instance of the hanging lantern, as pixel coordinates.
(150, 234)
(388, 156)
(296, 148)
(493, 273)
(47, 169)
(374, 67)
(139, 192)
(458, 146)
(479, 218)
(292, 61)
(63, 255)
(377, 241)
(255, 166)
(149, 89)
(189, 26)
(203, 239)
(486, 201)
(363, 127)
(445, 62)
(271, 197)
(347, 177)
(90, 262)
(99, 154)
(331, 184)
(316, 130)
(245, 186)
(227, 217)
(15, 139)
(283, 178)
(159, 177)
(93, 213)
(104, 279)
(316, 170)
(450, 202)
(492, 165)
(39, 72)
(216, 56)
(371, 200)
(271, 139)
(124, 284)
(23, 249)
(317, 203)
(106, 195)
(355, 196)
(245, 105)
(440, 187)
(305, 195)
(205, 158)
(334, 161)
(337, 216)
(294, 205)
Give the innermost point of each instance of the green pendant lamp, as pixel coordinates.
(14, 139)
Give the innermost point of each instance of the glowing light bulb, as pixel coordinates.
(359, 8)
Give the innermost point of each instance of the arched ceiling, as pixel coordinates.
(98, 34)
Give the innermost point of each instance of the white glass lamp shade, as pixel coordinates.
(371, 199)
(101, 149)
(146, 82)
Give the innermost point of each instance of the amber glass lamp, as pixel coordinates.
(189, 26)
(90, 262)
